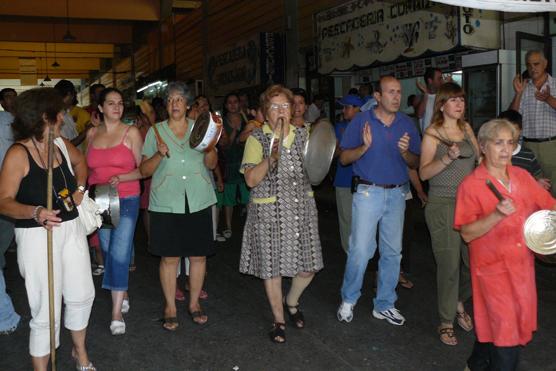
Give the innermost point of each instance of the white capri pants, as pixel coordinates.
(72, 280)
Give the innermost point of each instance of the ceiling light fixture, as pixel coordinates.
(68, 37)
(55, 64)
(46, 78)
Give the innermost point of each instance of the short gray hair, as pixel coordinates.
(531, 52)
(490, 129)
(179, 87)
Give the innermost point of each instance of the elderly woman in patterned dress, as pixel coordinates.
(281, 236)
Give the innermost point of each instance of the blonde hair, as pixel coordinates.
(446, 92)
(490, 129)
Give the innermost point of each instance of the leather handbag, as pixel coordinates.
(89, 210)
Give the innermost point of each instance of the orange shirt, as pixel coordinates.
(502, 267)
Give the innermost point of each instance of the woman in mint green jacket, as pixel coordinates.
(180, 203)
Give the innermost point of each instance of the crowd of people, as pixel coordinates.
(388, 164)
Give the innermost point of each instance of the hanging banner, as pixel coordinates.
(361, 32)
(234, 67)
(273, 58)
(524, 6)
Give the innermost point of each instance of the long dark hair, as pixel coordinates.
(103, 96)
(32, 108)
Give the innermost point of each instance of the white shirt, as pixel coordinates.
(429, 110)
(312, 114)
(6, 133)
(68, 129)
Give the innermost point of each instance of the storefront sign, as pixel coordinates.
(361, 32)
(479, 28)
(234, 67)
(506, 5)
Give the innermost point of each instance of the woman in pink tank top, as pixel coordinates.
(113, 157)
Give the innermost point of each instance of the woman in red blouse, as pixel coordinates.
(502, 267)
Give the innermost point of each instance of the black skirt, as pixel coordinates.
(182, 234)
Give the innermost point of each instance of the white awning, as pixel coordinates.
(506, 5)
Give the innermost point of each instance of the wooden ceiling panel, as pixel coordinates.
(133, 10)
(110, 33)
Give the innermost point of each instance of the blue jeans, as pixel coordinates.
(116, 245)
(8, 317)
(383, 208)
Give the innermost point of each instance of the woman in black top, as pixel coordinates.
(23, 182)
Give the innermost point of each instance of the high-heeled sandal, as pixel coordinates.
(297, 318)
(78, 365)
(278, 333)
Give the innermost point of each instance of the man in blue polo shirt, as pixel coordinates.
(381, 143)
(342, 181)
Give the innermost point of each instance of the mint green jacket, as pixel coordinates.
(182, 175)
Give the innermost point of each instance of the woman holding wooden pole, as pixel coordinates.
(23, 197)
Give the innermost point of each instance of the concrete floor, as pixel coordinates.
(235, 337)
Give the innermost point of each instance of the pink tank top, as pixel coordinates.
(105, 163)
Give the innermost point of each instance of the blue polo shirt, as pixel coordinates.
(343, 173)
(382, 163)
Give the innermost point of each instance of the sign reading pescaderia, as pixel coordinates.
(362, 32)
(234, 67)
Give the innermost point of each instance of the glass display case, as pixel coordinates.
(481, 94)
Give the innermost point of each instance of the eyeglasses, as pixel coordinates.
(177, 99)
(276, 106)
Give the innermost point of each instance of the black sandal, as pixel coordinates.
(196, 317)
(297, 318)
(278, 333)
(170, 324)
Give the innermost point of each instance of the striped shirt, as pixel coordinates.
(539, 119)
(526, 159)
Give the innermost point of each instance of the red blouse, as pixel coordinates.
(502, 267)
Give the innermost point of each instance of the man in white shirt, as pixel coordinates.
(9, 319)
(433, 81)
(68, 93)
(535, 101)
(314, 111)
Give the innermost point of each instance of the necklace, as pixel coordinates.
(63, 196)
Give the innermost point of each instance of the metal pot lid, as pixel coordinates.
(539, 231)
(107, 198)
(319, 150)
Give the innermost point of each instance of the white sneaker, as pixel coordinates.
(125, 306)
(98, 270)
(220, 238)
(227, 233)
(345, 312)
(392, 316)
(117, 327)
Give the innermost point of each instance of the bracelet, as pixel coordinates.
(36, 213)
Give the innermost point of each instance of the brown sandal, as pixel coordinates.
(447, 336)
(464, 321)
(404, 282)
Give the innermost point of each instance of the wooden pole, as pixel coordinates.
(49, 246)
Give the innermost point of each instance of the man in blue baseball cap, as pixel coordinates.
(342, 181)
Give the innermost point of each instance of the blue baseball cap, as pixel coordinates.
(351, 100)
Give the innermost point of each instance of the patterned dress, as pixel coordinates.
(281, 235)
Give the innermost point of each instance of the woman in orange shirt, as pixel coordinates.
(502, 267)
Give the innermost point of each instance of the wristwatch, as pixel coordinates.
(81, 188)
